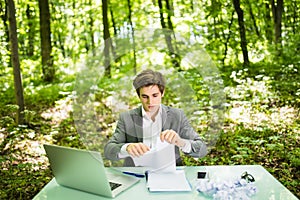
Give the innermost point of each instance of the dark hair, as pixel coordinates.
(149, 77)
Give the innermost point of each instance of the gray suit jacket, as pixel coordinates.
(130, 130)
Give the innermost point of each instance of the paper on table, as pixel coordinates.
(164, 181)
(161, 158)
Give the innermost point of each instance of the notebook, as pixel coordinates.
(84, 170)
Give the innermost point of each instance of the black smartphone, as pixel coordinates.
(202, 175)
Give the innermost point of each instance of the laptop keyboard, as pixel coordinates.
(114, 185)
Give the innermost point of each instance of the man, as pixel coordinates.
(139, 130)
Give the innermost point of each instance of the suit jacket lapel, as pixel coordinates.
(165, 118)
(138, 123)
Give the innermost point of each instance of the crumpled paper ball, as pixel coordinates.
(238, 189)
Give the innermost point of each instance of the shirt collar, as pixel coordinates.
(144, 114)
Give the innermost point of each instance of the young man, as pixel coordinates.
(139, 130)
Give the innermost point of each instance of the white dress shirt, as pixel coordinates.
(151, 133)
(151, 128)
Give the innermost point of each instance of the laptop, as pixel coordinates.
(84, 170)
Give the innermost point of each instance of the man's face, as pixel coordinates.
(150, 97)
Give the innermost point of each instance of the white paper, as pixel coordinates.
(168, 181)
(161, 158)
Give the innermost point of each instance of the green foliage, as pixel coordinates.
(263, 100)
(21, 173)
(259, 127)
(257, 140)
(66, 135)
(21, 180)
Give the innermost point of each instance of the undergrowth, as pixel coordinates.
(261, 127)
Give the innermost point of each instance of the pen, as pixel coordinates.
(134, 174)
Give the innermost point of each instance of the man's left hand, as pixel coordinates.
(172, 137)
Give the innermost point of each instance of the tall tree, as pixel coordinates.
(295, 18)
(170, 12)
(113, 49)
(4, 17)
(252, 15)
(268, 23)
(227, 37)
(31, 30)
(132, 35)
(242, 30)
(168, 32)
(106, 37)
(15, 61)
(60, 28)
(46, 47)
(277, 9)
(91, 26)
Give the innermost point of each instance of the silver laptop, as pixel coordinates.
(84, 170)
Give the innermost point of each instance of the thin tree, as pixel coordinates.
(242, 30)
(58, 36)
(170, 12)
(268, 23)
(46, 47)
(295, 17)
(106, 37)
(4, 17)
(227, 38)
(113, 21)
(15, 61)
(277, 9)
(31, 30)
(132, 35)
(253, 18)
(113, 49)
(91, 26)
(168, 32)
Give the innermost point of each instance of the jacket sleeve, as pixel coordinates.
(118, 139)
(199, 148)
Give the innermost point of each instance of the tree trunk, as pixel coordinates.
(113, 50)
(295, 18)
(168, 32)
(277, 18)
(4, 18)
(106, 37)
(113, 21)
(268, 23)
(30, 18)
(91, 26)
(253, 18)
(240, 14)
(133, 36)
(61, 44)
(15, 61)
(46, 48)
(227, 38)
(170, 12)
(58, 39)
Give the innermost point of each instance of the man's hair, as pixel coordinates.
(149, 77)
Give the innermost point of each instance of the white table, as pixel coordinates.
(268, 187)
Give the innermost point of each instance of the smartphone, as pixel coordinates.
(202, 175)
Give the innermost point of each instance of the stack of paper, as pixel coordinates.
(161, 158)
(161, 165)
(168, 181)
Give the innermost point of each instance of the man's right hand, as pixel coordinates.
(137, 149)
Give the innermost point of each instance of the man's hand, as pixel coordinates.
(137, 149)
(172, 137)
